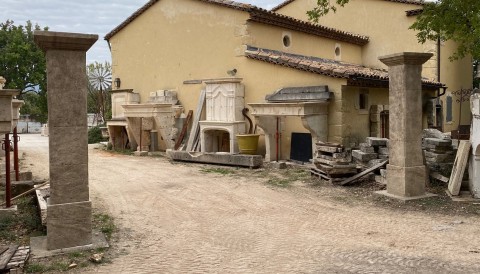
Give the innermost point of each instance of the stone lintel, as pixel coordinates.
(51, 40)
(223, 80)
(9, 92)
(289, 109)
(121, 91)
(146, 110)
(405, 58)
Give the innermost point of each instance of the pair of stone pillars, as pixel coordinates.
(69, 208)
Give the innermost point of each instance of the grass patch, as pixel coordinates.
(104, 223)
(279, 182)
(218, 170)
(19, 227)
(286, 177)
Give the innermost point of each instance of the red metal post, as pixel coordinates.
(16, 138)
(8, 194)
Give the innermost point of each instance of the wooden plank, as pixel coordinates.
(459, 165)
(3, 249)
(7, 255)
(184, 130)
(196, 119)
(362, 174)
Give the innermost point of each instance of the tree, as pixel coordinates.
(456, 20)
(23, 64)
(100, 83)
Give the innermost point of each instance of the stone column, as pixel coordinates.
(406, 171)
(69, 208)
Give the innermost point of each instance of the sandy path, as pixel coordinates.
(173, 218)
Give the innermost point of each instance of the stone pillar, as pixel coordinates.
(269, 126)
(406, 171)
(474, 162)
(69, 208)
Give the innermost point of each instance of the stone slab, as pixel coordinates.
(38, 246)
(383, 150)
(438, 142)
(69, 225)
(330, 149)
(374, 141)
(23, 176)
(252, 161)
(366, 148)
(403, 198)
(362, 156)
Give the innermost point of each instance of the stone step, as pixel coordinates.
(362, 156)
(374, 141)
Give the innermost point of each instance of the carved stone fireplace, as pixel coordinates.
(224, 119)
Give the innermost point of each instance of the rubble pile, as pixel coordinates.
(439, 155)
(372, 152)
(333, 162)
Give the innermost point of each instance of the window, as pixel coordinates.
(449, 116)
(287, 40)
(363, 103)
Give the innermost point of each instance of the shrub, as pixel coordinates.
(94, 135)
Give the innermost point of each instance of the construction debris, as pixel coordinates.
(372, 152)
(13, 257)
(439, 155)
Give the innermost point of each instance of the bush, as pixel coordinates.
(94, 135)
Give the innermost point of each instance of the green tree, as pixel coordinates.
(23, 64)
(100, 83)
(456, 20)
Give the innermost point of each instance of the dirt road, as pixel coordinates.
(174, 218)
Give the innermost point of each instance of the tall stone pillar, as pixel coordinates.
(69, 209)
(406, 171)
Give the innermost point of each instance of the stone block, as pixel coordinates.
(374, 141)
(438, 142)
(406, 181)
(362, 156)
(68, 145)
(68, 183)
(329, 149)
(375, 162)
(69, 225)
(434, 133)
(383, 150)
(366, 148)
(439, 158)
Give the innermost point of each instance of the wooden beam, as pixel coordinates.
(362, 174)
(184, 130)
(196, 119)
(6, 256)
(458, 169)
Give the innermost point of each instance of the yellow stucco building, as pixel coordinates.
(170, 50)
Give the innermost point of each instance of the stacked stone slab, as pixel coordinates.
(372, 152)
(333, 162)
(439, 155)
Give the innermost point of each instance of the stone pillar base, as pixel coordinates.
(406, 181)
(69, 225)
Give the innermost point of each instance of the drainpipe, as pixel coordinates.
(141, 126)
(16, 139)
(277, 137)
(8, 194)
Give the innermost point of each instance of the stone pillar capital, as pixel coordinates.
(405, 58)
(51, 40)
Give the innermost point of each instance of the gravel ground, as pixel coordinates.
(186, 218)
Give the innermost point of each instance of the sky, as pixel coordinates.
(86, 16)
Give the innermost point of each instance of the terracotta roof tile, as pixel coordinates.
(328, 67)
(266, 17)
(413, 2)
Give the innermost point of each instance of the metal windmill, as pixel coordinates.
(100, 78)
